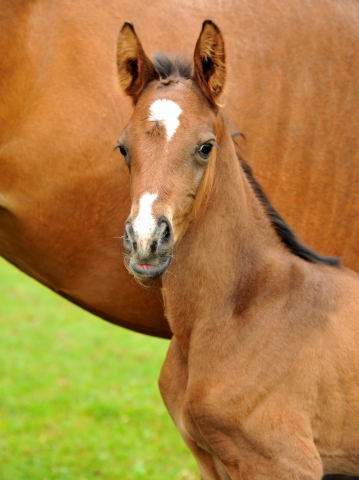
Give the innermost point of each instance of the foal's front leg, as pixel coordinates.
(209, 466)
(232, 463)
(173, 385)
(252, 449)
(274, 442)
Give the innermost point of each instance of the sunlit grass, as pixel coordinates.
(78, 396)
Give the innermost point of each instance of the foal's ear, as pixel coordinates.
(209, 61)
(134, 68)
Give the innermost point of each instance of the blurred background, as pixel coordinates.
(79, 397)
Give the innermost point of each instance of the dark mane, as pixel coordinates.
(171, 66)
(284, 232)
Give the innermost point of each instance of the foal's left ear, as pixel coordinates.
(135, 69)
(209, 61)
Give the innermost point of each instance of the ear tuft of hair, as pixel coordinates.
(135, 69)
(209, 61)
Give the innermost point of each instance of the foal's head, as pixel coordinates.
(169, 143)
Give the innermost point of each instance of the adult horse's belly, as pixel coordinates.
(293, 91)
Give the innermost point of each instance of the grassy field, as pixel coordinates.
(78, 396)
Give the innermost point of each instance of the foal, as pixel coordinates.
(262, 374)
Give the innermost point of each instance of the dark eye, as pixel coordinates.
(124, 153)
(204, 150)
(123, 150)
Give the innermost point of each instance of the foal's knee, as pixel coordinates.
(259, 468)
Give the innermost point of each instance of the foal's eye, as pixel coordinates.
(123, 150)
(124, 153)
(204, 150)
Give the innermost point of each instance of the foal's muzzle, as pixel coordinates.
(149, 257)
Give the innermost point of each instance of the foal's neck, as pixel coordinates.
(228, 252)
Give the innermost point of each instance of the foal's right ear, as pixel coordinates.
(135, 69)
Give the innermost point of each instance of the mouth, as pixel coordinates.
(148, 271)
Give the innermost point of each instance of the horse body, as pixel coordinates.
(64, 192)
(61, 182)
(267, 394)
(261, 377)
(263, 364)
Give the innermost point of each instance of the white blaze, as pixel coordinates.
(145, 223)
(167, 113)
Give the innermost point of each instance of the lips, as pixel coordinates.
(144, 266)
(145, 270)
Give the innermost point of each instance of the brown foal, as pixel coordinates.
(262, 374)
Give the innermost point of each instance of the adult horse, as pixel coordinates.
(63, 191)
(262, 374)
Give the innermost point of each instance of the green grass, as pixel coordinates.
(78, 396)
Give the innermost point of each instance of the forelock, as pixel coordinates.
(168, 66)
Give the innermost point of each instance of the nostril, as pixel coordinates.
(166, 235)
(128, 242)
(165, 231)
(134, 244)
(154, 246)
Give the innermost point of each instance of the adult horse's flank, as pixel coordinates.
(262, 374)
(64, 193)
